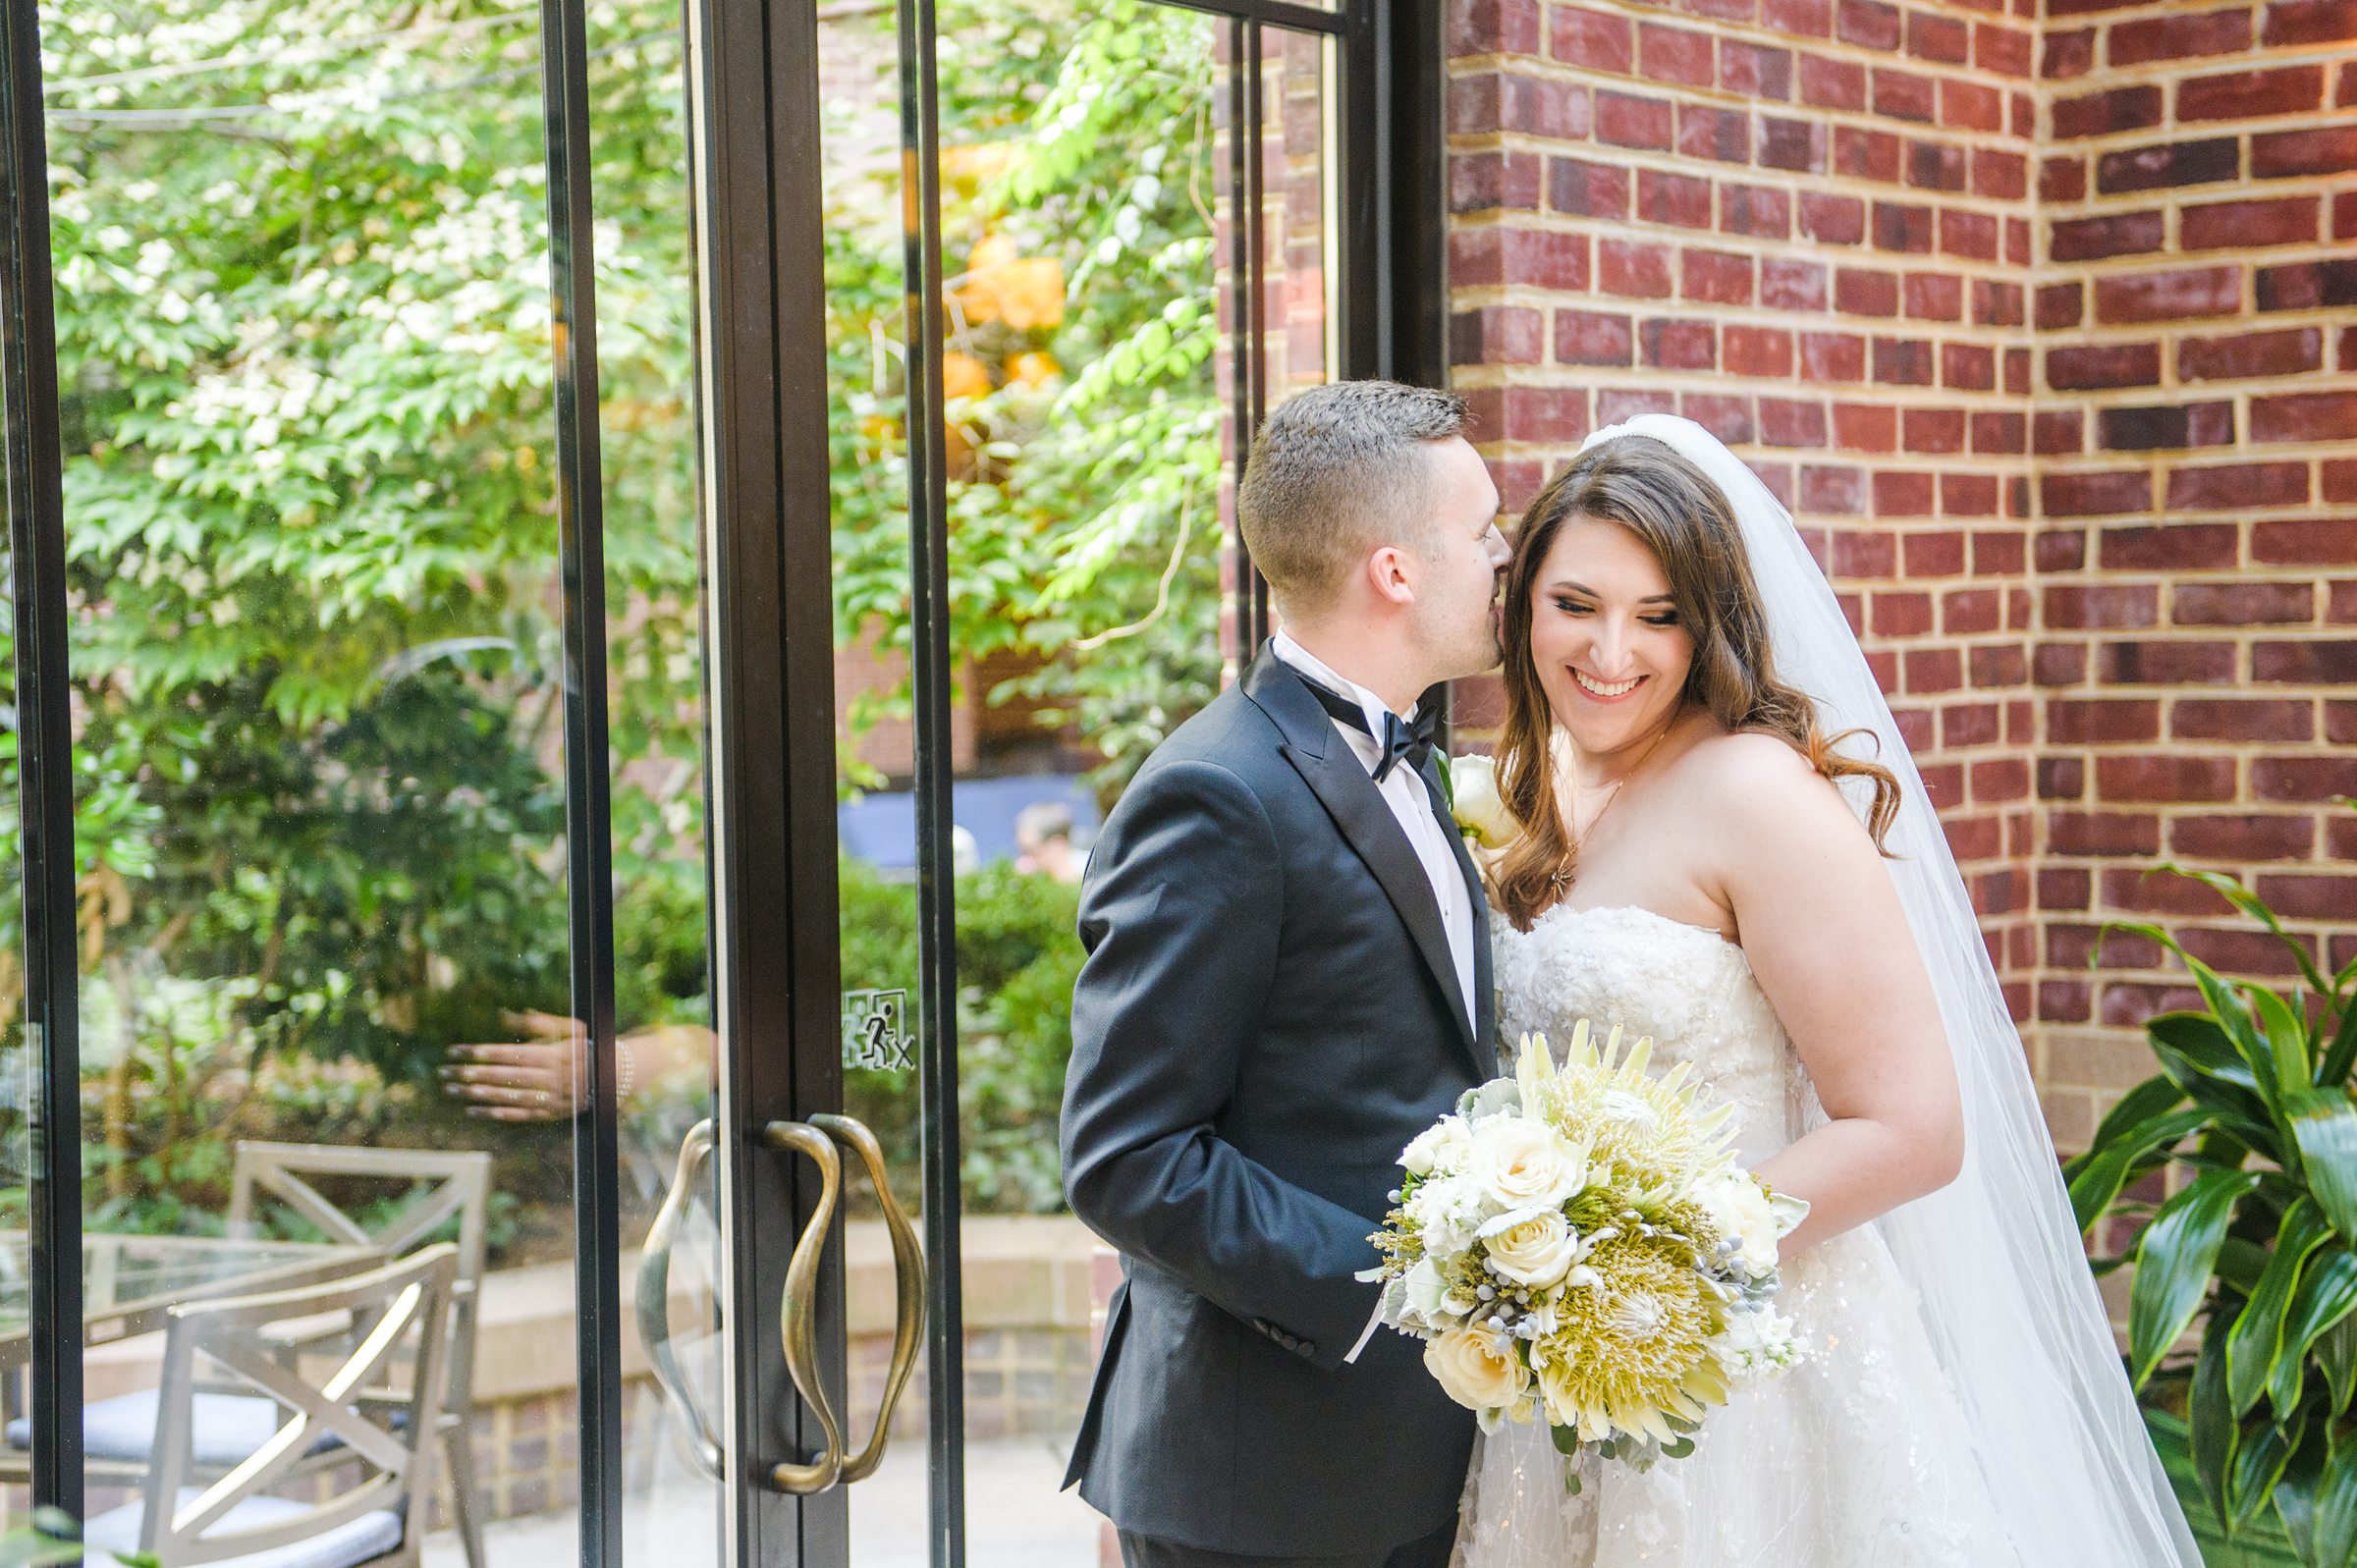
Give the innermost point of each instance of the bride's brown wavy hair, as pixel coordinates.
(1671, 506)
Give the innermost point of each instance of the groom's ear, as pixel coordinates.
(1387, 574)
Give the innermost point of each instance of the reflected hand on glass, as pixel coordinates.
(527, 1080)
(536, 1078)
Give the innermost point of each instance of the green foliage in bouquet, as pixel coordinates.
(2251, 1118)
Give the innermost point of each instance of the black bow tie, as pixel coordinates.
(1401, 738)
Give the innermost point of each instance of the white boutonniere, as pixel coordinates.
(1473, 801)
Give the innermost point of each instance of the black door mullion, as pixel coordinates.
(1367, 203)
(803, 634)
(775, 965)
(36, 533)
(936, 889)
(1394, 77)
(588, 814)
(753, 73)
(1254, 229)
(1243, 337)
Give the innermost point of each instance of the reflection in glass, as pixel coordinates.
(867, 423)
(304, 358)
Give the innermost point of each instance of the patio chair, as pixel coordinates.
(119, 1435)
(380, 1427)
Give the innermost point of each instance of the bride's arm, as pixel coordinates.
(1823, 928)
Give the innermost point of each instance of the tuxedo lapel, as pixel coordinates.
(1341, 783)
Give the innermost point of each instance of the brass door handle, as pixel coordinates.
(654, 1302)
(798, 1308)
(797, 1324)
(909, 1288)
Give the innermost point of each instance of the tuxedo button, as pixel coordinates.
(1281, 1337)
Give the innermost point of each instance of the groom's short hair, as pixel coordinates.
(1337, 471)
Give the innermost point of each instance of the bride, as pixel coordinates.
(1724, 846)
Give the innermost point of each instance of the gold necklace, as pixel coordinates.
(1562, 880)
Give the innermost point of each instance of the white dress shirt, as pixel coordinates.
(1411, 804)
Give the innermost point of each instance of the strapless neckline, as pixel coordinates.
(1685, 987)
(1626, 913)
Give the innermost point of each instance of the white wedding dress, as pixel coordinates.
(1859, 1457)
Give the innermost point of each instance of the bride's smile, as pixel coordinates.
(1603, 692)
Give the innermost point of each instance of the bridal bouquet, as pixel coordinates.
(1578, 1243)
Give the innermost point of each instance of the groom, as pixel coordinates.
(1288, 980)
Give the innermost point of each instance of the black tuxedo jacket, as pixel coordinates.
(1269, 1012)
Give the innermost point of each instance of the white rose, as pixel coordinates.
(1441, 1147)
(1742, 1214)
(1522, 1164)
(1474, 800)
(1538, 1250)
(1477, 1369)
(1446, 1213)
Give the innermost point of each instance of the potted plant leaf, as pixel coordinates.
(2251, 1126)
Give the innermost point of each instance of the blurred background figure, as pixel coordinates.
(1043, 839)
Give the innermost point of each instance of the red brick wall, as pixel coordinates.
(2196, 555)
(1841, 233)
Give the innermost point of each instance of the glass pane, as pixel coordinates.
(649, 428)
(1081, 165)
(1296, 170)
(304, 354)
(1107, 476)
(868, 424)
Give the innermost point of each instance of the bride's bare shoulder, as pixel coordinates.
(1744, 784)
(1744, 761)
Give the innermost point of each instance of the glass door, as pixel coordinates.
(355, 485)
(580, 580)
(1072, 254)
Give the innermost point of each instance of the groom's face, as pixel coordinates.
(1457, 573)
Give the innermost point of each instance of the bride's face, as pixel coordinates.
(1611, 646)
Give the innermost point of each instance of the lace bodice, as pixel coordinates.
(1690, 989)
